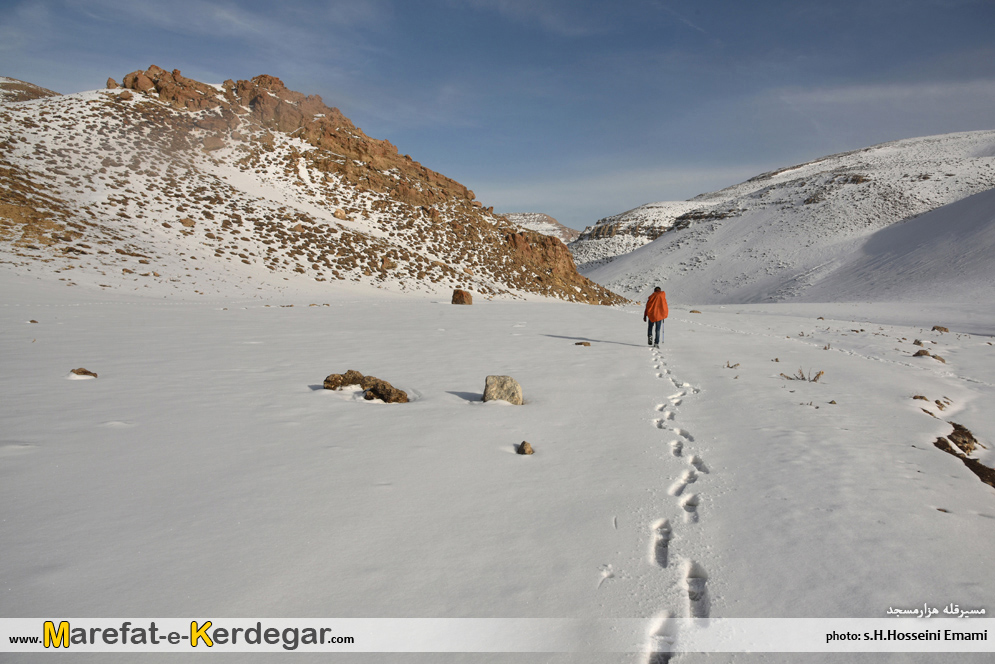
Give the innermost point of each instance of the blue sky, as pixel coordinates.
(574, 108)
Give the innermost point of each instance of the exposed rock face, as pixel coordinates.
(212, 143)
(84, 372)
(939, 328)
(462, 297)
(921, 353)
(503, 388)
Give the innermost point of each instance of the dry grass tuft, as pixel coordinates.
(801, 376)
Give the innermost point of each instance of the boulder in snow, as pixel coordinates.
(83, 372)
(381, 389)
(376, 388)
(503, 388)
(525, 448)
(462, 297)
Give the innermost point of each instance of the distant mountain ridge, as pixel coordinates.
(778, 234)
(12, 90)
(165, 183)
(543, 223)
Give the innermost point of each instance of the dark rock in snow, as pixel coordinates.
(376, 388)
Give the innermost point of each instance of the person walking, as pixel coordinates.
(654, 313)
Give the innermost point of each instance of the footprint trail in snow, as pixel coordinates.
(686, 468)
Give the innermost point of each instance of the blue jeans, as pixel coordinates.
(659, 331)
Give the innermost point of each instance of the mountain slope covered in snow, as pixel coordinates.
(779, 234)
(169, 184)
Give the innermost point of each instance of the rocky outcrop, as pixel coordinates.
(524, 448)
(552, 266)
(503, 388)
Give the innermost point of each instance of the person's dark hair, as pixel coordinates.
(656, 290)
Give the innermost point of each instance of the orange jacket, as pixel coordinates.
(656, 307)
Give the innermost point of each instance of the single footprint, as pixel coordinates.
(660, 407)
(661, 639)
(684, 434)
(668, 415)
(699, 465)
(660, 423)
(697, 593)
(676, 402)
(688, 477)
(659, 375)
(676, 447)
(606, 573)
(660, 542)
(690, 504)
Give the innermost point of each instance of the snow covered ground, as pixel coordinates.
(205, 471)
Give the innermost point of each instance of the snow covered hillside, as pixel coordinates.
(776, 235)
(172, 185)
(542, 223)
(205, 471)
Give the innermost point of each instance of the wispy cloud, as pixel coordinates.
(226, 18)
(680, 17)
(897, 110)
(559, 17)
(21, 25)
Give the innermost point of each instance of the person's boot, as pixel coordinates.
(649, 341)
